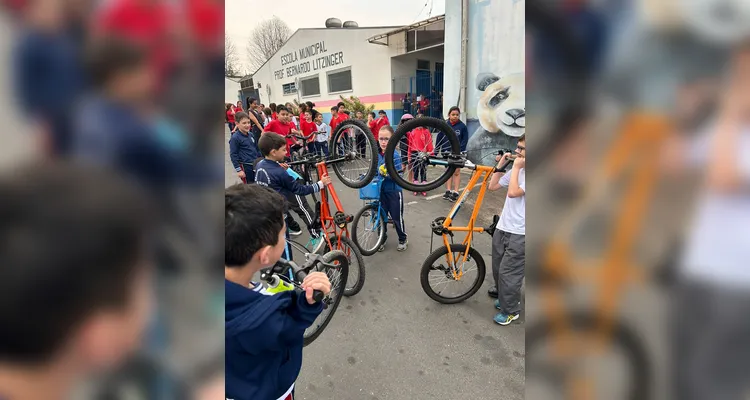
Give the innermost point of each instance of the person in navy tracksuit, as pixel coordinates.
(391, 195)
(271, 173)
(242, 148)
(263, 331)
(462, 133)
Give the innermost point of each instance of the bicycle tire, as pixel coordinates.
(339, 244)
(441, 252)
(401, 133)
(363, 177)
(329, 257)
(641, 387)
(374, 209)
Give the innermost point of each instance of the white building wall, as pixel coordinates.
(369, 63)
(231, 91)
(405, 66)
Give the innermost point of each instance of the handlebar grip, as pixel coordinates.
(505, 166)
(318, 296)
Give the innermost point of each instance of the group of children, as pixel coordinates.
(245, 151)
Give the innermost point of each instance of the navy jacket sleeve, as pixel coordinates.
(289, 183)
(234, 153)
(464, 139)
(283, 328)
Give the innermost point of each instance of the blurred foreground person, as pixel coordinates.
(712, 327)
(74, 277)
(48, 74)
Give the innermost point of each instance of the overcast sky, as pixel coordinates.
(243, 15)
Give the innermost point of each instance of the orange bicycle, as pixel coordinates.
(354, 169)
(454, 264)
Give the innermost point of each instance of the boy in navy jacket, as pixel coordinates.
(272, 173)
(263, 332)
(242, 148)
(391, 194)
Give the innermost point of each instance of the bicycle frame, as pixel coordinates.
(326, 218)
(480, 172)
(611, 273)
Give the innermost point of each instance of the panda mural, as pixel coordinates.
(501, 116)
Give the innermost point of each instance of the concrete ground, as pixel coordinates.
(391, 341)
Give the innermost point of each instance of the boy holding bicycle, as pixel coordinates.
(263, 332)
(509, 238)
(272, 173)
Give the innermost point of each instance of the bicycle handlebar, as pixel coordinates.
(298, 272)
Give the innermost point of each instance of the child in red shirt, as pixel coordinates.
(419, 141)
(307, 126)
(372, 123)
(382, 120)
(334, 118)
(230, 117)
(283, 126)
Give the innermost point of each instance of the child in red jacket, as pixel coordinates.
(419, 141)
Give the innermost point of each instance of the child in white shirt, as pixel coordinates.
(321, 139)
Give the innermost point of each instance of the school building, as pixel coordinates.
(379, 65)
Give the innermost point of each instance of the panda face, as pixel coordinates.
(502, 105)
(724, 21)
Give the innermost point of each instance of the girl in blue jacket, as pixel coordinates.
(391, 194)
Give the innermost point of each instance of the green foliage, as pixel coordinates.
(353, 104)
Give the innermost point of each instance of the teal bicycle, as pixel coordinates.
(368, 226)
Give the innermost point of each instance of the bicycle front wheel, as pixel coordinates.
(337, 275)
(354, 140)
(619, 371)
(438, 275)
(424, 166)
(356, 278)
(368, 229)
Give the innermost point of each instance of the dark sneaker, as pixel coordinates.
(402, 245)
(381, 248)
(504, 319)
(447, 195)
(294, 231)
(492, 292)
(453, 197)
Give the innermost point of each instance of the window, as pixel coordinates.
(340, 81)
(310, 86)
(425, 36)
(289, 88)
(246, 83)
(423, 65)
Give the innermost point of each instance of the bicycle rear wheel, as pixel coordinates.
(337, 275)
(368, 229)
(356, 279)
(410, 168)
(354, 139)
(437, 273)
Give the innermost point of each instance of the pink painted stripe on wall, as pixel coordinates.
(388, 97)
